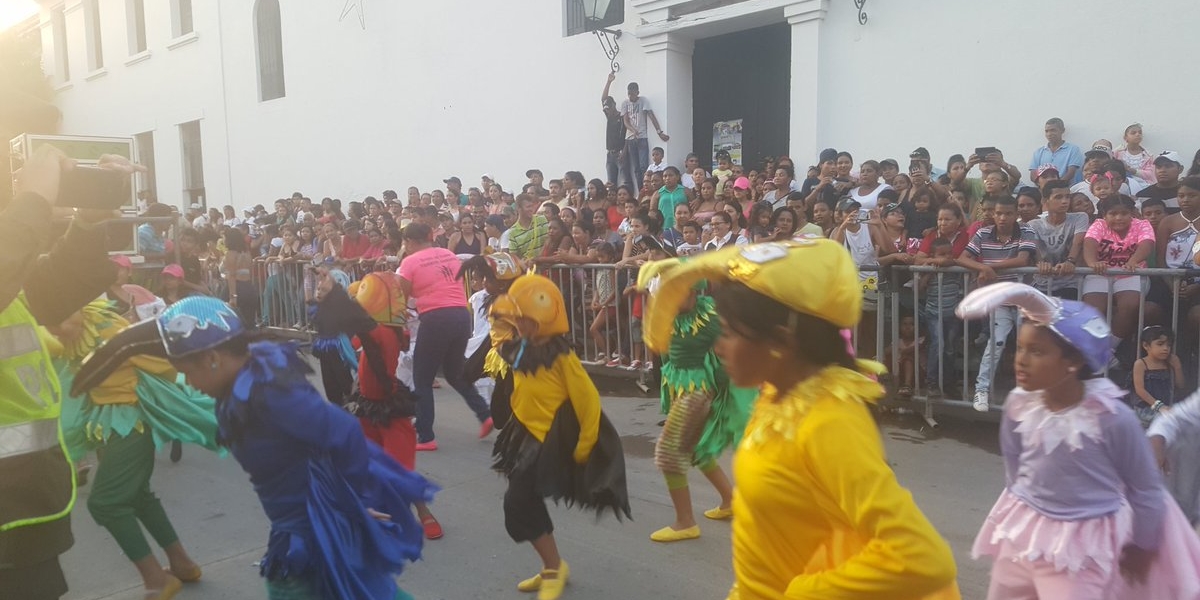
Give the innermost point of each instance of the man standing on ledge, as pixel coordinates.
(635, 111)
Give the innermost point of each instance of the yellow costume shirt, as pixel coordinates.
(538, 395)
(819, 514)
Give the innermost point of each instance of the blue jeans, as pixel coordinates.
(615, 168)
(442, 343)
(1004, 320)
(637, 157)
(940, 328)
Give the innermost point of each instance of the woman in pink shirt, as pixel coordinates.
(1117, 242)
(429, 275)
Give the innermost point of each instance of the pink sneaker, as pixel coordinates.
(485, 428)
(430, 446)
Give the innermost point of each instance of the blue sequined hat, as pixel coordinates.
(197, 323)
(1080, 325)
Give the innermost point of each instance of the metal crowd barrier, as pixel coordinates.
(613, 342)
(959, 359)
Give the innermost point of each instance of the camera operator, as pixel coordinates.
(37, 485)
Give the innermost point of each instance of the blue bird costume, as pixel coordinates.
(313, 470)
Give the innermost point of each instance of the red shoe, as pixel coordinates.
(429, 446)
(433, 529)
(486, 428)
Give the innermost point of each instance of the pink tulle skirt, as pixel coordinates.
(1015, 531)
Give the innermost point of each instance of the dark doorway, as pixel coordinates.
(744, 75)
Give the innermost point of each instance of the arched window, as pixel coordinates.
(268, 38)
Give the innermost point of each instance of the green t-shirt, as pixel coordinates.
(527, 242)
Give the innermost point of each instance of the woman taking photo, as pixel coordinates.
(427, 275)
(819, 513)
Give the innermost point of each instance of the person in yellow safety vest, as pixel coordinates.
(37, 480)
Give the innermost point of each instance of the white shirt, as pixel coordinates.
(504, 240)
(1130, 188)
(718, 243)
(482, 327)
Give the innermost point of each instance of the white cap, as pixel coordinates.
(1170, 155)
(277, 242)
(196, 206)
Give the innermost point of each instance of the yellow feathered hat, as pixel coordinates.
(379, 294)
(533, 297)
(812, 276)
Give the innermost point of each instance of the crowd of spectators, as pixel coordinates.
(1101, 208)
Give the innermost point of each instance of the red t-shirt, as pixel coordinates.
(371, 384)
(354, 248)
(957, 245)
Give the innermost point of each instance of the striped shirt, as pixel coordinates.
(986, 248)
(527, 242)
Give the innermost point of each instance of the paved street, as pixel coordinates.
(954, 473)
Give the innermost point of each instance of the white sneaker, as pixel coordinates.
(981, 401)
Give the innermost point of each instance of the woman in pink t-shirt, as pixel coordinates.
(1117, 241)
(429, 276)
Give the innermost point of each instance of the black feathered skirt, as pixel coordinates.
(538, 470)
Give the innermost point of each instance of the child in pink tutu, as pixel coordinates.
(1084, 514)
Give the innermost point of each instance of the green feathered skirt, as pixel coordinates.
(728, 411)
(170, 409)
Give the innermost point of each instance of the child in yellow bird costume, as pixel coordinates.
(558, 443)
(143, 405)
(817, 511)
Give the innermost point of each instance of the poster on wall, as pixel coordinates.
(727, 136)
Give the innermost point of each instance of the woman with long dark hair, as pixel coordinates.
(819, 512)
(238, 269)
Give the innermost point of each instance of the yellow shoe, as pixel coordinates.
(719, 514)
(532, 584)
(168, 591)
(666, 534)
(552, 589)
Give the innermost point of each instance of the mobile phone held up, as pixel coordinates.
(94, 188)
(864, 215)
(985, 151)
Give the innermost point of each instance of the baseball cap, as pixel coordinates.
(1170, 155)
(389, 194)
(827, 155)
(1043, 169)
(531, 172)
(173, 270)
(741, 183)
(1102, 144)
(485, 176)
(121, 261)
(848, 204)
(889, 161)
(452, 179)
(196, 206)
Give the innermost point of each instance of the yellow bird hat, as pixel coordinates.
(812, 276)
(380, 294)
(533, 297)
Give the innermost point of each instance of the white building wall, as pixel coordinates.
(176, 80)
(463, 87)
(953, 75)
